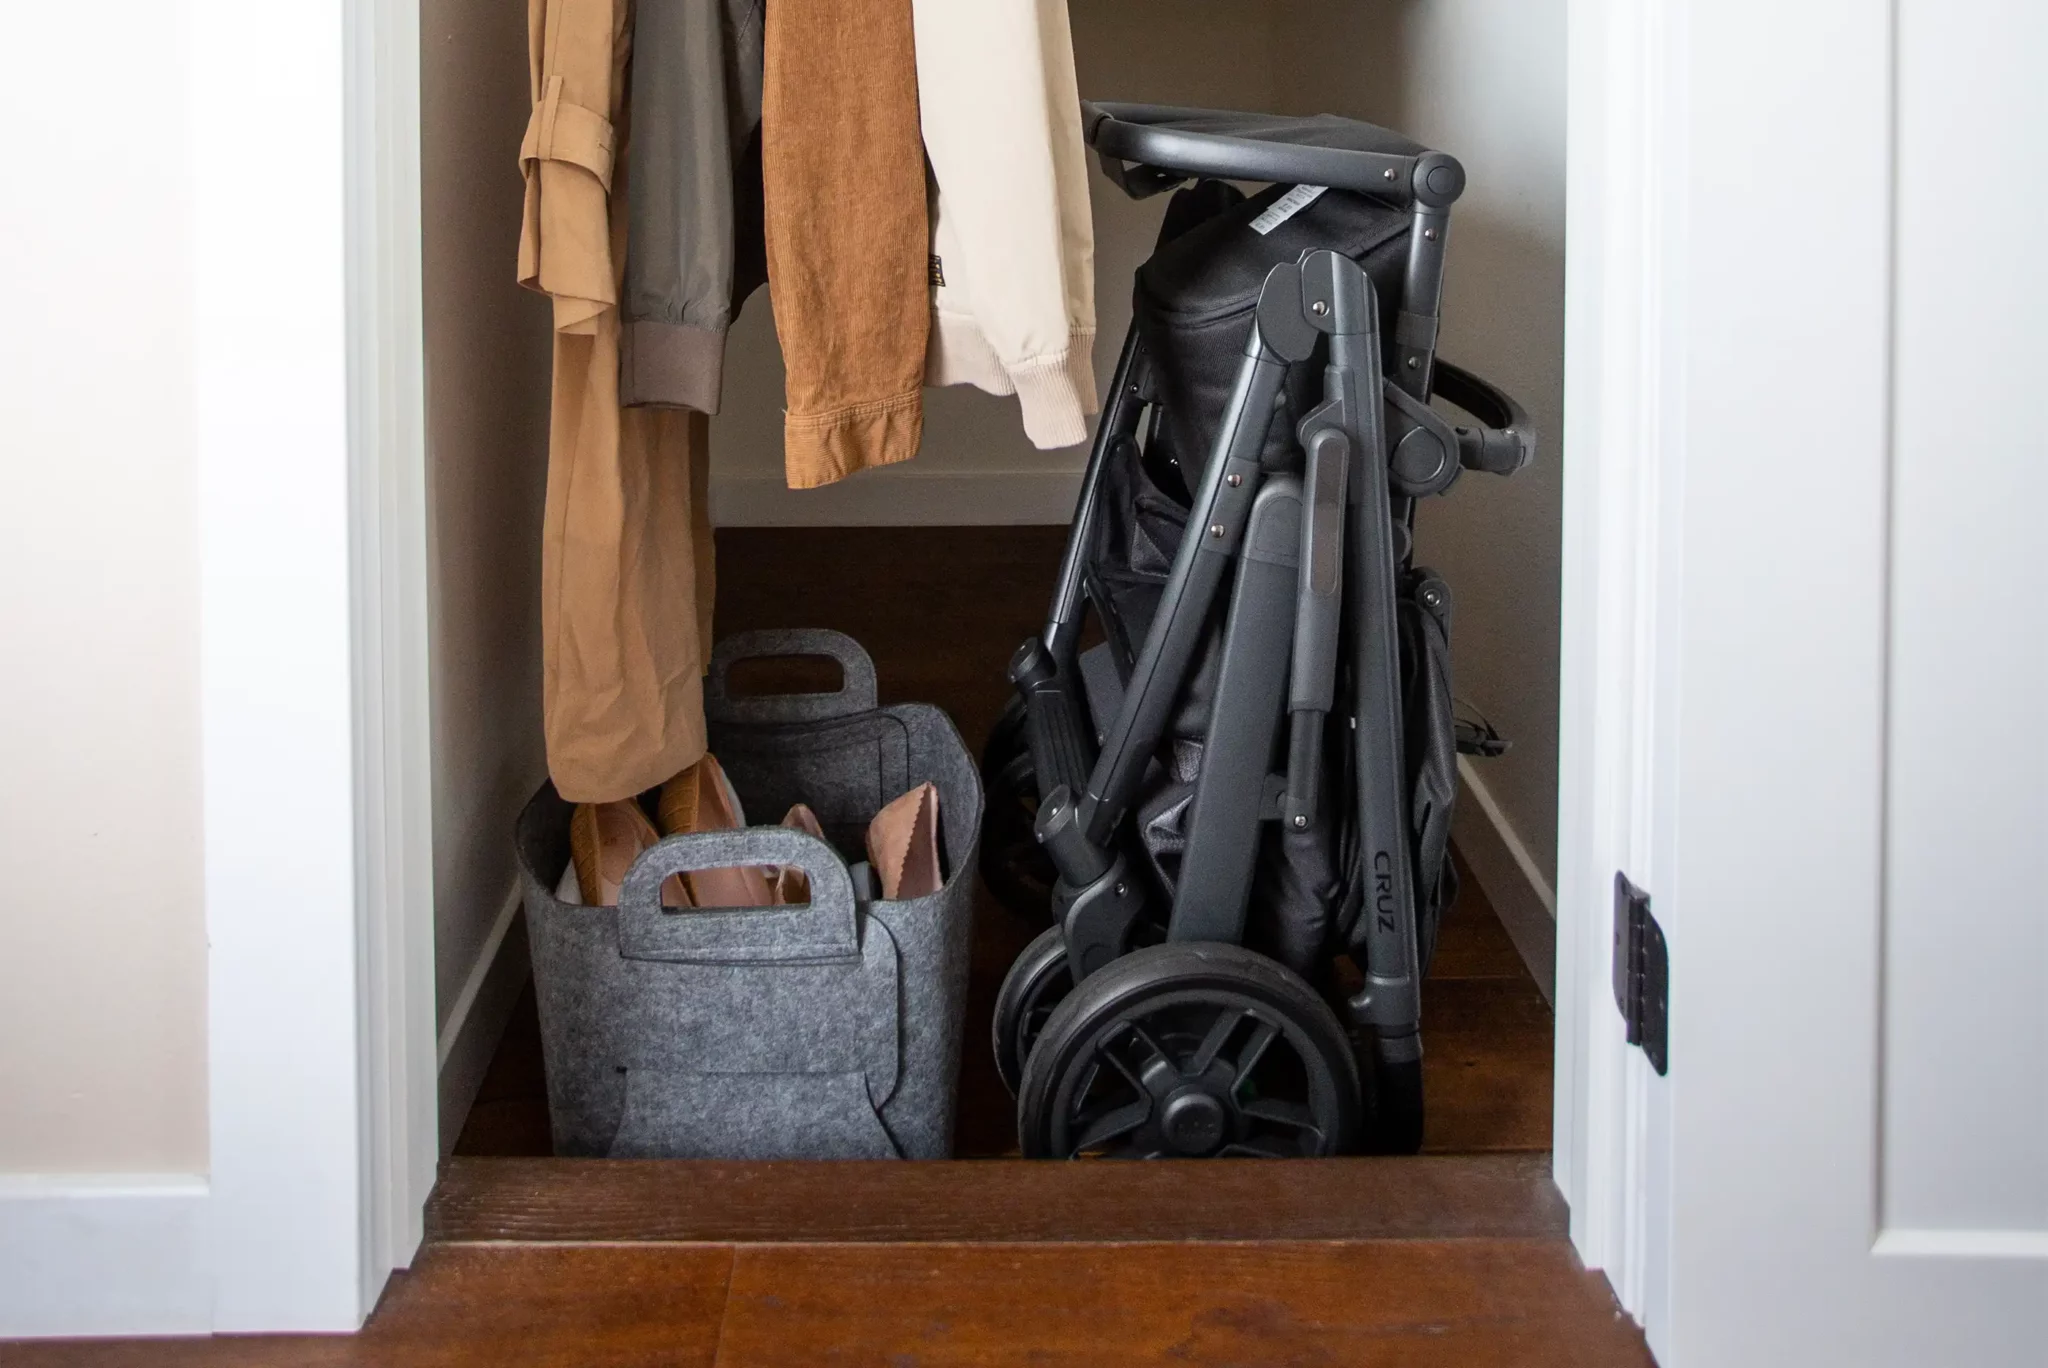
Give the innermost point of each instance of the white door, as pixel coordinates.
(1832, 772)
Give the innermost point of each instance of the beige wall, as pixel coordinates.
(1203, 52)
(102, 924)
(1483, 80)
(487, 347)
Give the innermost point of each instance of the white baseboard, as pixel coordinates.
(104, 1254)
(477, 1021)
(1513, 882)
(902, 497)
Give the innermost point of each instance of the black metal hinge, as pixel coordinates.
(1642, 973)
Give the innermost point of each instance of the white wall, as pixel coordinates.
(1484, 81)
(102, 925)
(976, 466)
(487, 361)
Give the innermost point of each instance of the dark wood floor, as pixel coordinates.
(940, 610)
(1458, 1257)
(1470, 1303)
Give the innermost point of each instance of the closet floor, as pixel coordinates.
(940, 610)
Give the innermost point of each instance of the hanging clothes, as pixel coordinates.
(847, 232)
(694, 249)
(626, 574)
(1013, 249)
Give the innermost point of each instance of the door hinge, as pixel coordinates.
(1642, 973)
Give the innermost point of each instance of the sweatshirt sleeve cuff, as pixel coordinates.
(1057, 394)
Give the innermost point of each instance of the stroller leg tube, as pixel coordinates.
(1391, 1001)
(1318, 617)
(1215, 525)
(1223, 832)
(1058, 731)
(1116, 430)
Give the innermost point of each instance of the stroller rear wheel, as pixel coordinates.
(1036, 984)
(1190, 1050)
(1015, 867)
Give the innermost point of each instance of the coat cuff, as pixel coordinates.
(1057, 394)
(671, 365)
(820, 448)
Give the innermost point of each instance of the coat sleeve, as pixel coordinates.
(695, 101)
(1013, 269)
(567, 157)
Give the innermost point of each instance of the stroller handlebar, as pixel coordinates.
(1149, 148)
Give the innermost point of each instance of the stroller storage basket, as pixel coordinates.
(829, 1031)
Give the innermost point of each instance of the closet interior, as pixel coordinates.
(940, 565)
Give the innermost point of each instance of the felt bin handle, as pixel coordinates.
(856, 693)
(824, 932)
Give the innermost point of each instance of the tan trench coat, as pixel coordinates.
(626, 569)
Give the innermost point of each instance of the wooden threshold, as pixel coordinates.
(595, 1201)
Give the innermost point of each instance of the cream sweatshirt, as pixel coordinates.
(1013, 244)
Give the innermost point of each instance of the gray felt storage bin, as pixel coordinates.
(830, 1031)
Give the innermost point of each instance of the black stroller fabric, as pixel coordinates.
(1194, 303)
(1195, 298)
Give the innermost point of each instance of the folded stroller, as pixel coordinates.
(1243, 541)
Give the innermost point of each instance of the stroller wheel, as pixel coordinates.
(1015, 867)
(1036, 984)
(1190, 1050)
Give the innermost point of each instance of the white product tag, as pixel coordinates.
(1287, 206)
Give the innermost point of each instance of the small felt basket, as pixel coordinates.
(826, 1031)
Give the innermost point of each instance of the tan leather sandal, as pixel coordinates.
(903, 845)
(701, 798)
(604, 841)
(792, 886)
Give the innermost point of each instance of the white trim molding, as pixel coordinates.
(277, 705)
(393, 676)
(476, 1021)
(1514, 884)
(313, 695)
(2024, 1245)
(1626, 160)
(104, 1254)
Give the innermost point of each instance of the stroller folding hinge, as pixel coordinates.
(1273, 799)
(1642, 973)
(1424, 456)
(1096, 899)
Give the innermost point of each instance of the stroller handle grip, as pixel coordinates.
(1506, 441)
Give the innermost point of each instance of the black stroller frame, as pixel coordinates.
(1122, 1047)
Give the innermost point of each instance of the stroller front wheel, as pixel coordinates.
(1190, 1050)
(1037, 983)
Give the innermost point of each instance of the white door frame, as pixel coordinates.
(1623, 476)
(315, 653)
(314, 704)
